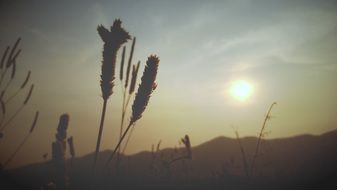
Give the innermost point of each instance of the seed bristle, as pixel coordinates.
(34, 122)
(29, 94)
(26, 80)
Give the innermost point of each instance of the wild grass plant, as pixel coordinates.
(142, 97)
(260, 138)
(59, 147)
(9, 61)
(112, 40)
(9, 92)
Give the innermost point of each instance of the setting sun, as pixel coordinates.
(241, 90)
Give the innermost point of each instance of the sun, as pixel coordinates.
(241, 90)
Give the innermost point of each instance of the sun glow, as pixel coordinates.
(241, 90)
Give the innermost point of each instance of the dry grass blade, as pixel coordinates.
(29, 94)
(4, 57)
(121, 71)
(129, 63)
(145, 88)
(134, 78)
(34, 122)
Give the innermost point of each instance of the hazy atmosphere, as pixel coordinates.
(222, 64)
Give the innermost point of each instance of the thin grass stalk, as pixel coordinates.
(70, 141)
(18, 110)
(113, 40)
(3, 127)
(128, 139)
(24, 140)
(260, 137)
(244, 158)
(118, 145)
(135, 70)
(16, 151)
(20, 89)
(100, 132)
(127, 74)
(125, 104)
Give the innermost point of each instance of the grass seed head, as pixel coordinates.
(145, 88)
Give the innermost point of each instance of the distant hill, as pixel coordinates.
(300, 159)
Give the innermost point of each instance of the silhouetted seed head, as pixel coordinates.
(129, 63)
(145, 88)
(29, 94)
(62, 127)
(134, 77)
(187, 143)
(71, 146)
(13, 69)
(26, 80)
(3, 106)
(121, 71)
(4, 57)
(158, 146)
(112, 39)
(10, 58)
(34, 122)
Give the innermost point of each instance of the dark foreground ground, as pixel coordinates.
(230, 182)
(301, 162)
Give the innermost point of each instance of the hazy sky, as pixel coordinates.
(286, 49)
